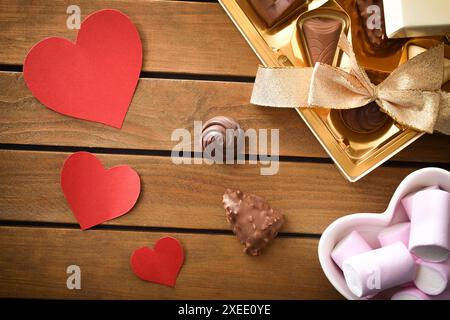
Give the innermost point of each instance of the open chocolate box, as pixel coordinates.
(357, 140)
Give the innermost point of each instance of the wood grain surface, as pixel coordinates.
(310, 195)
(34, 262)
(177, 36)
(160, 106)
(196, 66)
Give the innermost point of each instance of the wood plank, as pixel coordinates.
(310, 195)
(205, 40)
(215, 267)
(159, 107)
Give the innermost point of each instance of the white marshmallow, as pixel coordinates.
(433, 278)
(371, 272)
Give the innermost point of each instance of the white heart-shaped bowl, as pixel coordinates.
(370, 224)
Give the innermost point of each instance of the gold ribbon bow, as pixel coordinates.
(411, 94)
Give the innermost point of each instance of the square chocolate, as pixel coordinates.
(272, 11)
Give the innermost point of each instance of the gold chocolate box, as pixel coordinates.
(281, 44)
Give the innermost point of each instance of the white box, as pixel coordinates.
(416, 18)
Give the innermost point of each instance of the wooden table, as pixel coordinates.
(196, 65)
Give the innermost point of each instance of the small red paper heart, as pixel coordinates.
(94, 194)
(93, 79)
(160, 264)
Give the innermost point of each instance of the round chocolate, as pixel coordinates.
(214, 131)
(366, 119)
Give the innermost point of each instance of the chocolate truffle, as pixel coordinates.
(252, 219)
(214, 135)
(372, 20)
(272, 11)
(366, 119)
(322, 37)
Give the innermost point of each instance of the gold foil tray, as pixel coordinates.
(355, 154)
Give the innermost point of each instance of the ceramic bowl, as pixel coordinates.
(370, 224)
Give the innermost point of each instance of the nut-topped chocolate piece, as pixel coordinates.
(272, 11)
(252, 219)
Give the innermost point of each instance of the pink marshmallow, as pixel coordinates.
(350, 246)
(371, 272)
(433, 278)
(430, 225)
(410, 293)
(394, 233)
(407, 201)
(443, 296)
(413, 293)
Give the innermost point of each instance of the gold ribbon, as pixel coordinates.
(411, 94)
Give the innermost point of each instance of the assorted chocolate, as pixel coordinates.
(319, 31)
(273, 11)
(371, 30)
(357, 140)
(321, 36)
(366, 119)
(372, 21)
(372, 46)
(221, 135)
(252, 220)
(370, 118)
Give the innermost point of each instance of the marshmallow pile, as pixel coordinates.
(411, 258)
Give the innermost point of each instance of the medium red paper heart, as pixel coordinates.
(93, 79)
(160, 264)
(94, 194)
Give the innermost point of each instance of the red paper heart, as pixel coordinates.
(161, 264)
(94, 194)
(93, 79)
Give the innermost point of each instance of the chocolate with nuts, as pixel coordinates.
(252, 219)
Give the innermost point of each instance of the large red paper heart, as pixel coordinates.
(160, 264)
(93, 79)
(94, 194)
